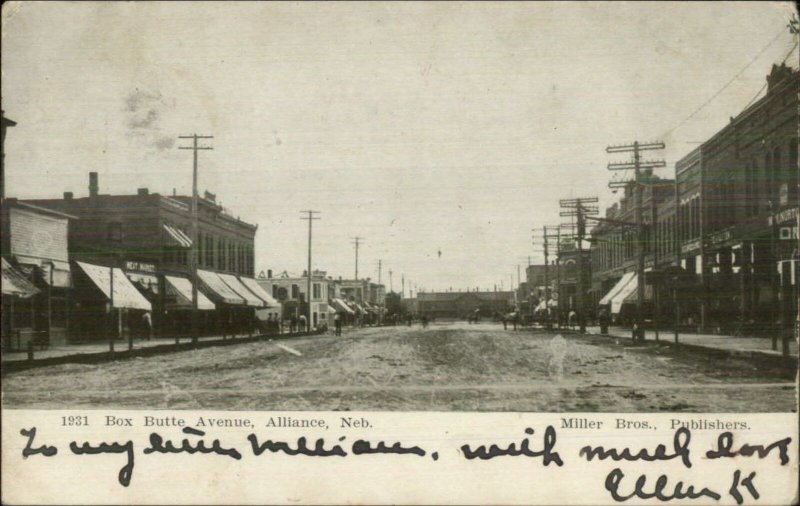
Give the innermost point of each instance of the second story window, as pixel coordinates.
(317, 291)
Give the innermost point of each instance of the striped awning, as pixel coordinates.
(176, 237)
(218, 289)
(340, 306)
(181, 289)
(262, 294)
(237, 286)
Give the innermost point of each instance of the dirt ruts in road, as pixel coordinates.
(443, 367)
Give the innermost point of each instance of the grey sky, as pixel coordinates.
(422, 127)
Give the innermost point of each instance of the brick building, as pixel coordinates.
(736, 225)
(147, 237)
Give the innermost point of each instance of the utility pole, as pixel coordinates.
(547, 235)
(794, 28)
(356, 242)
(579, 209)
(391, 285)
(403, 286)
(638, 165)
(193, 254)
(310, 217)
(380, 269)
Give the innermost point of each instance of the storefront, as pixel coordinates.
(35, 246)
(107, 304)
(18, 308)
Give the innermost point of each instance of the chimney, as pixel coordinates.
(94, 188)
(269, 273)
(142, 191)
(67, 195)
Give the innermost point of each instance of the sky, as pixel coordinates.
(420, 127)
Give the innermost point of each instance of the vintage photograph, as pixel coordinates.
(380, 206)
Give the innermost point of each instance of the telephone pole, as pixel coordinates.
(356, 242)
(547, 234)
(195, 147)
(380, 269)
(638, 165)
(579, 209)
(310, 217)
(391, 285)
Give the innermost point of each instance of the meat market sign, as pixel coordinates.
(140, 267)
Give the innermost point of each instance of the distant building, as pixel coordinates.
(459, 304)
(292, 292)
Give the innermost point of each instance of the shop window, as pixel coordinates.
(295, 292)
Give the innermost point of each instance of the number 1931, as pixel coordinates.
(74, 421)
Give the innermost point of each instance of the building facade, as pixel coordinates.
(36, 275)
(737, 216)
(292, 292)
(147, 237)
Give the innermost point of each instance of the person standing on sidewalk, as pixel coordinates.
(147, 323)
(337, 324)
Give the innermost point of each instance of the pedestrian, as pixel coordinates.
(604, 321)
(147, 322)
(573, 316)
(337, 323)
(505, 322)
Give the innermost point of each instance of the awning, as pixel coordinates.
(623, 293)
(15, 284)
(181, 289)
(125, 295)
(239, 288)
(262, 294)
(175, 237)
(218, 288)
(648, 294)
(61, 277)
(339, 305)
(624, 280)
(145, 281)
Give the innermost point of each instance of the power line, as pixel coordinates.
(715, 95)
(764, 86)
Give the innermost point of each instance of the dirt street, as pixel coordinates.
(447, 366)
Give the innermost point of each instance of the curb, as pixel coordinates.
(12, 366)
(784, 360)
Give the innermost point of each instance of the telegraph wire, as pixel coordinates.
(724, 87)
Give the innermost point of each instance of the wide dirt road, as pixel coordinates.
(447, 366)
